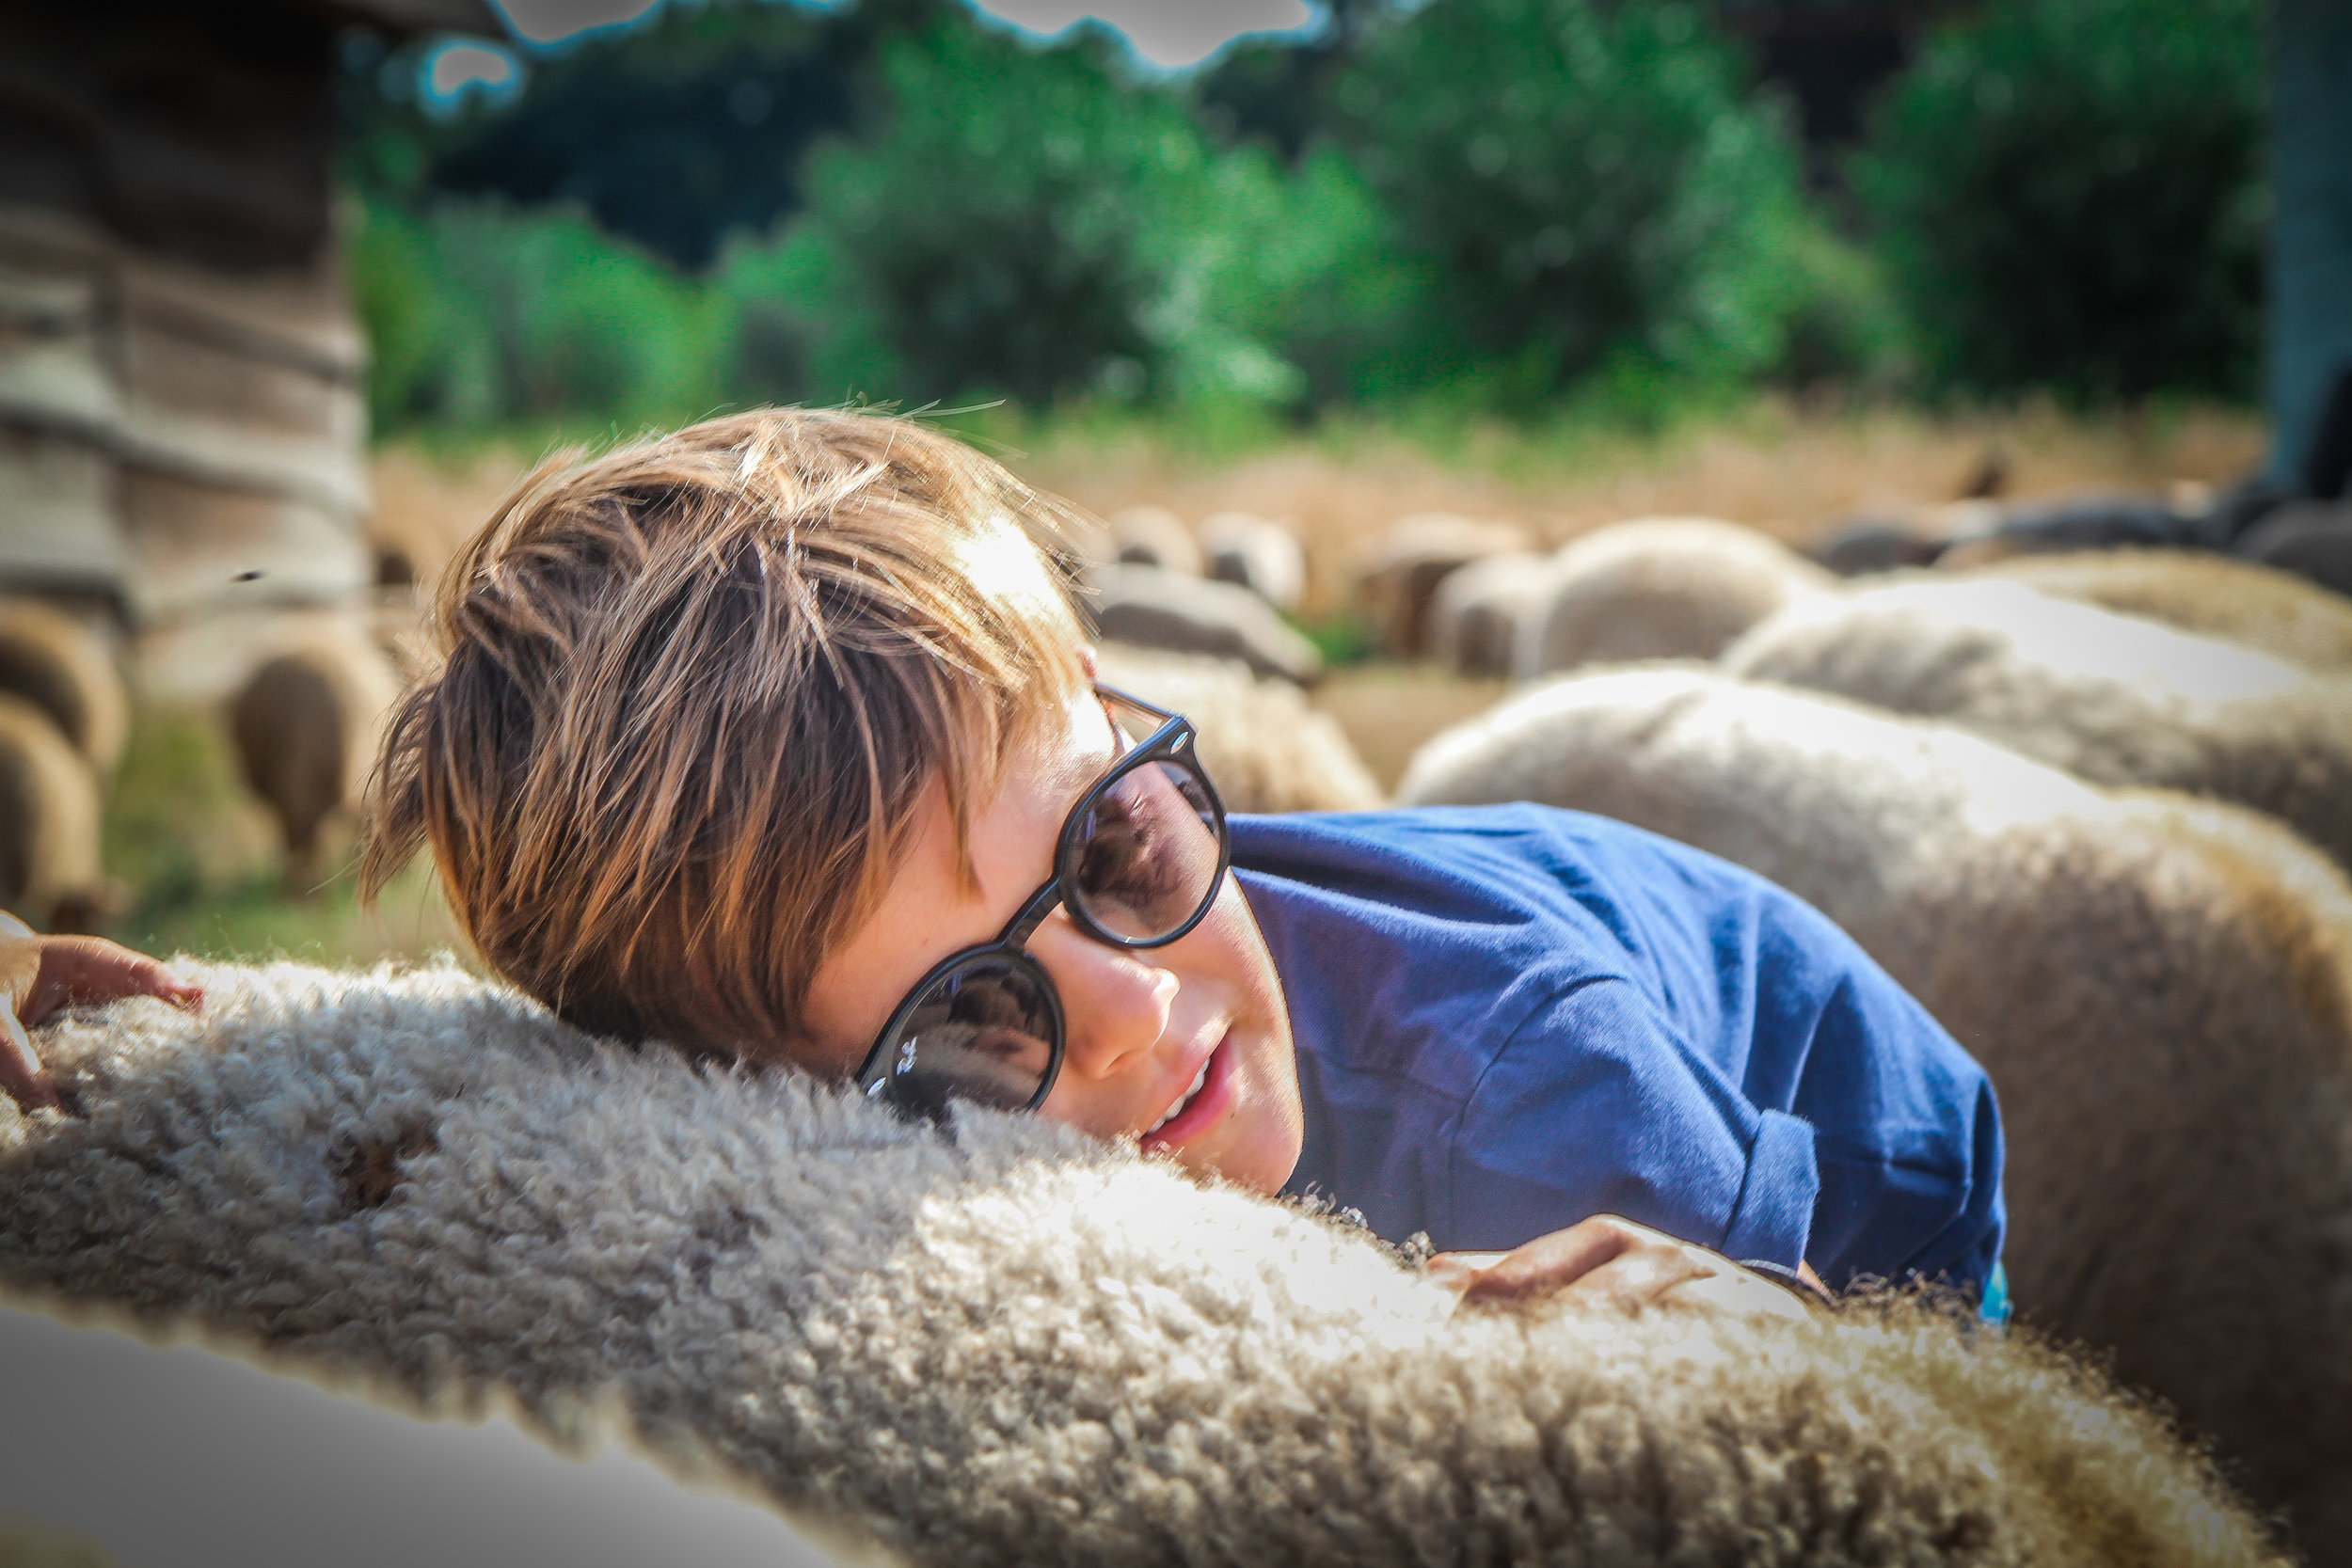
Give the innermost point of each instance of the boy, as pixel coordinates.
(777, 739)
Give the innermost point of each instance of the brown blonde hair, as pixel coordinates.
(692, 693)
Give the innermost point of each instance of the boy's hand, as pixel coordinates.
(40, 974)
(1613, 1259)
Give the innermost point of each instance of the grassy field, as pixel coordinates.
(200, 860)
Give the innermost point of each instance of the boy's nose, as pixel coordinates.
(1115, 1004)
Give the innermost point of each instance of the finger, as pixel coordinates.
(1552, 1262)
(1737, 1290)
(20, 1069)
(91, 969)
(1456, 1270)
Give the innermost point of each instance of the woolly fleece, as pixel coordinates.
(1020, 1346)
(2256, 607)
(1262, 743)
(2110, 698)
(1660, 587)
(2160, 988)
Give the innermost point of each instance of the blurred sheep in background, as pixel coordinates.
(1660, 587)
(50, 815)
(1256, 553)
(1402, 570)
(1154, 536)
(64, 666)
(305, 726)
(1153, 608)
(1267, 750)
(2111, 698)
(2160, 988)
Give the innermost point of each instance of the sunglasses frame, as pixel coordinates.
(1173, 740)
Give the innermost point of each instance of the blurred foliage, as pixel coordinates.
(678, 132)
(1033, 224)
(1594, 183)
(1476, 207)
(2070, 195)
(481, 313)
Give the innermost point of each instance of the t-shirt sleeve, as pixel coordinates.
(1595, 1105)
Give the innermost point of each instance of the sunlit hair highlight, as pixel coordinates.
(692, 693)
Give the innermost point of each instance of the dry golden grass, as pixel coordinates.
(1791, 474)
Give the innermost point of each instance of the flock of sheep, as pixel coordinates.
(303, 725)
(2094, 809)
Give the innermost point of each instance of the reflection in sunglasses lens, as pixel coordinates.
(982, 1031)
(1148, 853)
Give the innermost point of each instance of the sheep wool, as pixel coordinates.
(2113, 698)
(2161, 988)
(63, 666)
(1476, 613)
(1660, 587)
(50, 813)
(1264, 746)
(305, 724)
(1010, 1345)
(2256, 606)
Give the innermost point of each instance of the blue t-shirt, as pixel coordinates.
(1511, 1018)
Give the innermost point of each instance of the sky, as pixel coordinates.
(1171, 34)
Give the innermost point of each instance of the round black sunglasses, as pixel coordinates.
(1138, 865)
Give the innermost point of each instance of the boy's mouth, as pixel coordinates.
(1203, 1100)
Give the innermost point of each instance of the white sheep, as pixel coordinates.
(1476, 613)
(1154, 536)
(1264, 746)
(63, 666)
(1009, 1343)
(1401, 571)
(2160, 988)
(2113, 698)
(2256, 607)
(1154, 608)
(1259, 553)
(1660, 587)
(50, 869)
(304, 725)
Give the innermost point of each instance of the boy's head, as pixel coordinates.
(692, 689)
(737, 724)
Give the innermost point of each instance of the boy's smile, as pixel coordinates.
(1187, 1045)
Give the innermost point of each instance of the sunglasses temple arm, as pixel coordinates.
(1043, 902)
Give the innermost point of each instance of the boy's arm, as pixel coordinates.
(39, 975)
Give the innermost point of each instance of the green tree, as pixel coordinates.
(1591, 183)
(1023, 222)
(2069, 194)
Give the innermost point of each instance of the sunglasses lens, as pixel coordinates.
(982, 1031)
(1148, 852)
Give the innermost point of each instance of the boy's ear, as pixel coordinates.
(1093, 665)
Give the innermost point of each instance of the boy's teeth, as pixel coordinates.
(1182, 1101)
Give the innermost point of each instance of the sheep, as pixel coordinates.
(1264, 746)
(1159, 608)
(2311, 539)
(2113, 698)
(1660, 587)
(304, 725)
(1404, 568)
(1154, 536)
(1258, 553)
(63, 666)
(2161, 988)
(1476, 613)
(50, 870)
(1005, 1342)
(2256, 606)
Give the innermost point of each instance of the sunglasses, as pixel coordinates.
(1138, 865)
